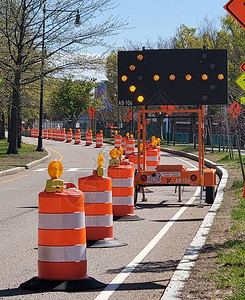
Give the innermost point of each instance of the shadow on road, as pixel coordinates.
(151, 266)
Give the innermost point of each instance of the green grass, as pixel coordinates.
(231, 256)
(26, 154)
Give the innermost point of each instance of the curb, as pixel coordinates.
(27, 166)
(183, 270)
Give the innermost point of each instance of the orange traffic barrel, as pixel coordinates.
(78, 137)
(63, 135)
(89, 138)
(98, 211)
(99, 139)
(117, 141)
(54, 134)
(32, 132)
(69, 136)
(50, 134)
(57, 136)
(151, 159)
(62, 235)
(45, 134)
(130, 146)
(122, 175)
(133, 157)
(36, 133)
(122, 189)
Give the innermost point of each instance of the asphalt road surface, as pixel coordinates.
(140, 270)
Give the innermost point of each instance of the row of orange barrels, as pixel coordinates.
(152, 154)
(67, 136)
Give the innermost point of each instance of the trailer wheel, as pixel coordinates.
(209, 194)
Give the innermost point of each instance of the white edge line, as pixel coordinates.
(183, 270)
(121, 277)
(187, 162)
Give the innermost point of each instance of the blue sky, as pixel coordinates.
(154, 18)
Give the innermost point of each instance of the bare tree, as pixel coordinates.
(27, 27)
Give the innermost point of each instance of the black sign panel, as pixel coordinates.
(172, 77)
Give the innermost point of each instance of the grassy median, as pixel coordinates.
(27, 153)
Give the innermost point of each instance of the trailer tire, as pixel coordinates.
(209, 194)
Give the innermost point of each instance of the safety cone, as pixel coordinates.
(122, 175)
(98, 209)
(62, 264)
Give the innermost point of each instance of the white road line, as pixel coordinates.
(187, 162)
(121, 277)
(72, 170)
(40, 170)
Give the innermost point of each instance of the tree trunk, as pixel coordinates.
(14, 122)
(2, 129)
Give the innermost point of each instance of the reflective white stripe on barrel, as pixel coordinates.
(122, 182)
(152, 158)
(97, 197)
(99, 221)
(61, 221)
(127, 200)
(62, 254)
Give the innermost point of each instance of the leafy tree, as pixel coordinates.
(111, 74)
(27, 25)
(71, 99)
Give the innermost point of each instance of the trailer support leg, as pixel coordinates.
(200, 205)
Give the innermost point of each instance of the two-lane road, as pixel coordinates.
(142, 269)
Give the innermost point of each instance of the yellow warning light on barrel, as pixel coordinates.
(172, 77)
(132, 67)
(124, 78)
(55, 169)
(156, 77)
(221, 76)
(140, 99)
(132, 88)
(100, 160)
(188, 77)
(114, 153)
(204, 77)
(140, 56)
